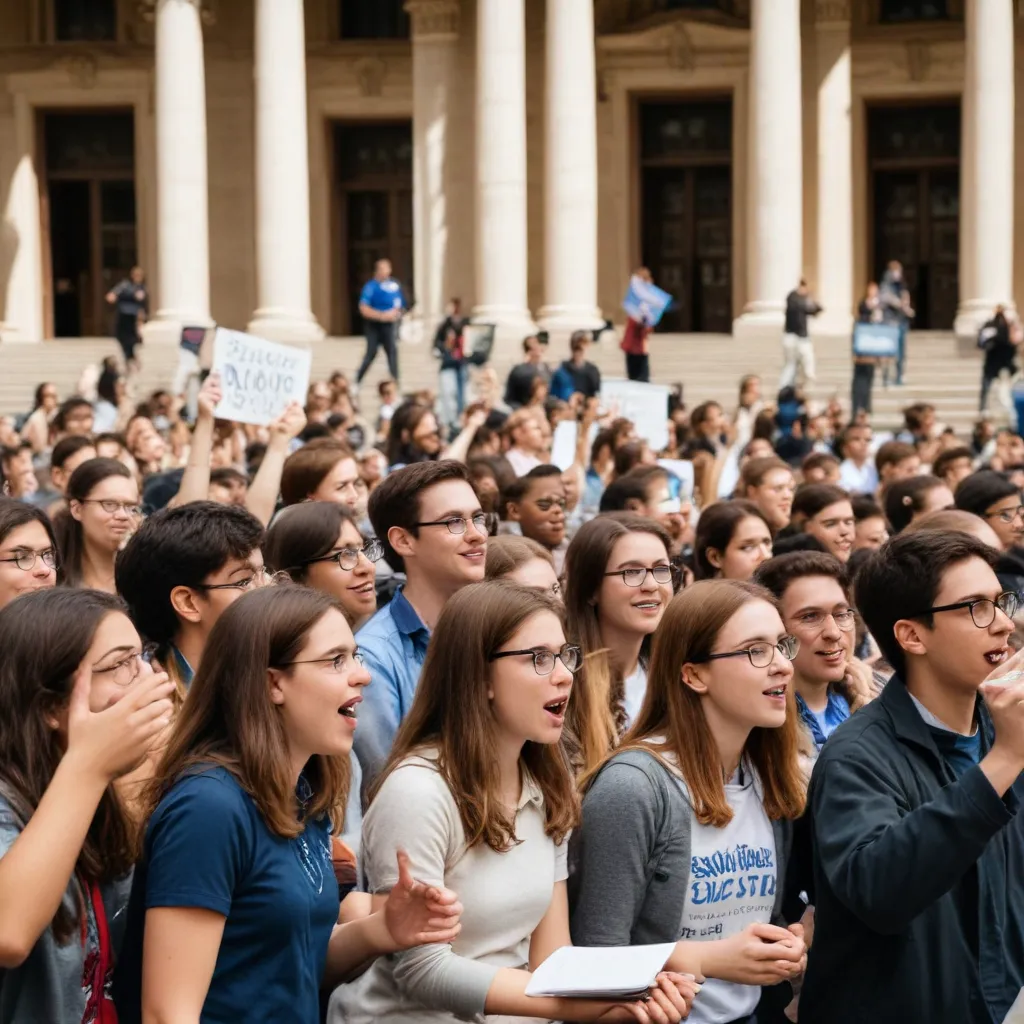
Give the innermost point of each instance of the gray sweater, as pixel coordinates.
(631, 856)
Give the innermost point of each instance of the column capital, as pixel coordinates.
(832, 13)
(434, 19)
(207, 9)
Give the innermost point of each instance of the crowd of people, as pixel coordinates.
(357, 720)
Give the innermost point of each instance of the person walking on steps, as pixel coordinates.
(896, 310)
(797, 348)
(381, 305)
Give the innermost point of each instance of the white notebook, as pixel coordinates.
(614, 973)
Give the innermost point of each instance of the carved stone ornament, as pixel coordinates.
(830, 12)
(370, 74)
(434, 18)
(918, 60)
(81, 69)
(680, 48)
(207, 14)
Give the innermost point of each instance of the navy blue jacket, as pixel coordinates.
(918, 878)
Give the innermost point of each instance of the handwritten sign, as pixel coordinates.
(258, 377)
(645, 404)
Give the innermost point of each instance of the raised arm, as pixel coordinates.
(195, 481)
(261, 499)
(459, 448)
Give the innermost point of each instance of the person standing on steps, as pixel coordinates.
(381, 305)
(896, 310)
(797, 348)
(131, 300)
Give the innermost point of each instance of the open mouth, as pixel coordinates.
(364, 588)
(776, 691)
(832, 655)
(997, 656)
(647, 606)
(556, 708)
(348, 709)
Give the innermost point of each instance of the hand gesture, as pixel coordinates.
(668, 1002)
(761, 954)
(290, 423)
(210, 395)
(860, 681)
(417, 914)
(1005, 703)
(114, 741)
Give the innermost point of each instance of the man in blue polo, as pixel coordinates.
(380, 306)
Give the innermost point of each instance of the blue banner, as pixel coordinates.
(877, 340)
(645, 302)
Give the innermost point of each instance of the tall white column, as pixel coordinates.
(775, 215)
(986, 156)
(834, 285)
(435, 34)
(283, 310)
(183, 242)
(501, 165)
(570, 169)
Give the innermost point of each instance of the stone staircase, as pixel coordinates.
(709, 366)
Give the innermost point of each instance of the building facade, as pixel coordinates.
(256, 156)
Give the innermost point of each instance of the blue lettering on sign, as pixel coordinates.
(743, 872)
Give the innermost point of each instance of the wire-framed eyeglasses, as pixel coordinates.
(348, 558)
(346, 661)
(761, 655)
(571, 656)
(26, 560)
(128, 669)
(457, 525)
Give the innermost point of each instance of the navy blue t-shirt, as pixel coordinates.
(207, 846)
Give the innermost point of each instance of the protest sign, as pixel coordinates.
(258, 377)
(877, 340)
(563, 444)
(645, 302)
(681, 484)
(645, 404)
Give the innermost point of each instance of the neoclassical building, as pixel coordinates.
(256, 156)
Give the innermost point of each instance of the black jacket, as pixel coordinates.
(519, 386)
(798, 308)
(1000, 351)
(1010, 570)
(918, 878)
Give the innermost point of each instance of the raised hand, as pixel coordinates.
(114, 741)
(210, 395)
(290, 423)
(417, 914)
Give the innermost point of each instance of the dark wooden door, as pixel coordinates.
(374, 164)
(686, 222)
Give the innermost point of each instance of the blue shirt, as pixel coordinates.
(208, 846)
(823, 724)
(382, 295)
(394, 646)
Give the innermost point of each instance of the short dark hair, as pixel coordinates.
(67, 407)
(906, 497)
(15, 514)
(892, 453)
(865, 507)
(904, 576)
(227, 476)
(68, 446)
(179, 547)
(518, 489)
(946, 459)
(818, 460)
(396, 501)
(604, 438)
(980, 491)
(619, 493)
(305, 469)
(785, 543)
(776, 574)
(715, 529)
(302, 533)
(810, 499)
(385, 383)
(700, 414)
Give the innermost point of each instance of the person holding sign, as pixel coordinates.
(639, 324)
(380, 305)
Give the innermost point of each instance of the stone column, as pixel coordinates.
(775, 216)
(501, 166)
(183, 242)
(282, 176)
(435, 33)
(834, 285)
(570, 169)
(986, 184)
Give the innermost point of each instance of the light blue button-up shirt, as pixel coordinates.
(394, 646)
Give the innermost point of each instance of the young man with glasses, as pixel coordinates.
(812, 589)
(918, 844)
(429, 520)
(998, 501)
(537, 503)
(181, 570)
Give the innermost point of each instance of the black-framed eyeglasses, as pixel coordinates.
(339, 663)
(845, 619)
(571, 656)
(112, 507)
(261, 578)
(1006, 515)
(983, 610)
(763, 654)
(348, 558)
(636, 577)
(457, 525)
(26, 560)
(127, 670)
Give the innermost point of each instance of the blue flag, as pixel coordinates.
(645, 302)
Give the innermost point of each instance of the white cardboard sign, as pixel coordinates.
(645, 404)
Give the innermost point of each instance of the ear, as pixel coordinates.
(512, 511)
(402, 541)
(714, 557)
(75, 508)
(275, 678)
(911, 636)
(691, 676)
(183, 601)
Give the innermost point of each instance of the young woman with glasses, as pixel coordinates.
(28, 550)
(103, 511)
(478, 792)
(319, 544)
(686, 828)
(81, 708)
(234, 906)
(619, 580)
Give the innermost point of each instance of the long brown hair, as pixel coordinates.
(44, 637)
(451, 712)
(230, 721)
(672, 711)
(597, 717)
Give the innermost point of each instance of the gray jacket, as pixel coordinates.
(631, 856)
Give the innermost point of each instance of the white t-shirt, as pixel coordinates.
(733, 875)
(858, 479)
(520, 461)
(636, 687)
